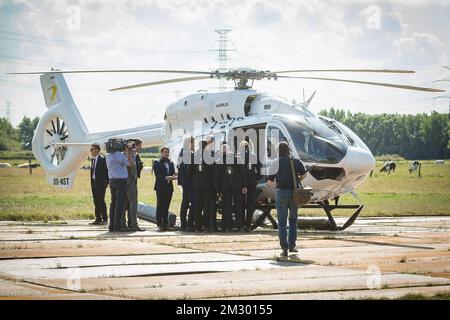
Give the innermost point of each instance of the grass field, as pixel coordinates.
(29, 197)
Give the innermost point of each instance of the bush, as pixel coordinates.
(9, 144)
(13, 155)
(387, 157)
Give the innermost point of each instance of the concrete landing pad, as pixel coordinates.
(375, 258)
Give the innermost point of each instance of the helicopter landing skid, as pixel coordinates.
(312, 223)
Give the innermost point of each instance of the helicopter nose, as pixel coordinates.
(360, 161)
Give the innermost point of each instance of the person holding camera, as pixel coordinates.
(164, 171)
(134, 172)
(117, 163)
(284, 199)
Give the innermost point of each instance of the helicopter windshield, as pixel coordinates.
(314, 141)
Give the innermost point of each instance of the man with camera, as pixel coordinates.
(117, 163)
(134, 172)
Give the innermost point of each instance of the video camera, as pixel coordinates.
(114, 145)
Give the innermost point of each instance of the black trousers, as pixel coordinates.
(163, 199)
(229, 198)
(213, 211)
(98, 195)
(202, 207)
(249, 205)
(118, 205)
(187, 203)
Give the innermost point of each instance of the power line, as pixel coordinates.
(223, 41)
(445, 97)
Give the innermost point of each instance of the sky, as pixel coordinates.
(175, 34)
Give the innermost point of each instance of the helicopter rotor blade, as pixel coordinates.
(161, 82)
(382, 84)
(118, 71)
(349, 70)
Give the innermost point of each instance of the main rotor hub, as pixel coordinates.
(241, 76)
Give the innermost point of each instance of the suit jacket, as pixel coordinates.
(229, 174)
(252, 168)
(203, 174)
(132, 172)
(160, 171)
(185, 170)
(139, 166)
(101, 172)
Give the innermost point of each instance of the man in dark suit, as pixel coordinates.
(99, 182)
(231, 185)
(164, 171)
(185, 176)
(203, 175)
(253, 171)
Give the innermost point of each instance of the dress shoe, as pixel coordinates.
(104, 222)
(161, 229)
(284, 253)
(171, 229)
(96, 222)
(293, 249)
(137, 228)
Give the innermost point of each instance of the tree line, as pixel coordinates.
(420, 136)
(17, 139)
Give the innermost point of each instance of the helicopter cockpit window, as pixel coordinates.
(315, 142)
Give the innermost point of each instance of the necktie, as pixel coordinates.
(93, 167)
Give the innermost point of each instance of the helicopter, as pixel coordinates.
(337, 160)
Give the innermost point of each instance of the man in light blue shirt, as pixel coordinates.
(117, 163)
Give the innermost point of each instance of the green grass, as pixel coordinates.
(16, 155)
(438, 296)
(401, 193)
(25, 197)
(416, 296)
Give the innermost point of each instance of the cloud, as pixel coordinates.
(419, 49)
(178, 34)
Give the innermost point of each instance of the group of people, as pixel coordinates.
(208, 177)
(121, 170)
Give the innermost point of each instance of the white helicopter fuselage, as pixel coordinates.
(311, 136)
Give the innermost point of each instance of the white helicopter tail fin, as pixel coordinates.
(62, 123)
